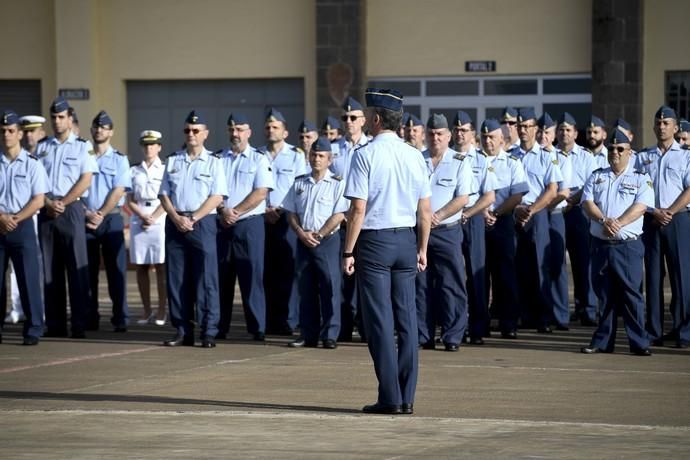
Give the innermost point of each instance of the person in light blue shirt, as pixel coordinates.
(287, 162)
(473, 227)
(615, 199)
(316, 207)
(193, 186)
(241, 231)
(441, 290)
(666, 230)
(543, 177)
(23, 184)
(105, 225)
(70, 165)
(389, 192)
(500, 227)
(595, 135)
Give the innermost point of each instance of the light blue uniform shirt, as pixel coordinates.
(670, 172)
(509, 176)
(484, 182)
(315, 202)
(541, 169)
(189, 183)
(244, 173)
(65, 163)
(583, 165)
(565, 164)
(113, 171)
(601, 159)
(20, 180)
(451, 178)
(288, 164)
(342, 155)
(613, 195)
(391, 176)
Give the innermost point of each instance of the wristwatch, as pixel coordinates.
(602, 221)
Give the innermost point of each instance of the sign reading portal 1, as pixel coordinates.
(480, 66)
(80, 94)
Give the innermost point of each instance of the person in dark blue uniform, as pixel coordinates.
(23, 184)
(287, 162)
(511, 185)
(241, 228)
(194, 185)
(105, 225)
(69, 164)
(666, 230)
(615, 199)
(441, 290)
(389, 192)
(316, 207)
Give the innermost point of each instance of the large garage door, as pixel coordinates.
(22, 96)
(163, 104)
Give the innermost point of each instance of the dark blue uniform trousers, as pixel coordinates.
(349, 313)
(558, 271)
(672, 244)
(192, 275)
(441, 292)
(617, 281)
(63, 242)
(110, 238)
(21, 248)
(241, 256)
(577, 242)
(533, 263)
(385, 266)
(474, 250)
(500, 262)
(280, 282)
(319, 276)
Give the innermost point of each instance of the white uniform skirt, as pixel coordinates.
(147, 246)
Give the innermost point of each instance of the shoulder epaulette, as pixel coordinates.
(302, 176)
(81, 139)
(218, 153)
(297, 149)
(482, 152)
(359, 146)
(338, 178)
(135, 164)
(43, 139)
(119, 153)
(459, 156)
(513, 157)
(598, 170)
(639, 171)
(33, 157)
(171, 155)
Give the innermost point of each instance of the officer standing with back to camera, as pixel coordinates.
(193, 187)
(241, 229)
(615, 199)
(316, 207)
(105, 225)
(69, 164)
(666, 230)
(389, 192)
(23, 183)
(441, 290)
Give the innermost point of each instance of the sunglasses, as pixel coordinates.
(352, 118)
(194, 131)
(511, 123)
(619, 149)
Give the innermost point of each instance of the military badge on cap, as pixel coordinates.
(235, 119)
(566, 119)
(31, 122)
(306, 127)
(683, 125)
(461, 118)
(150, 136)
(351, 104)
(596, 122)
(102, 119)
(9, 117)
(509, 113)
(665, 112)
(621, 123)
(59, 105)
(384, 98)
(411, 120)
(526, 113)
(195, 118)
(274, 115)
(489, 125)
(322, 144)
(330, 123)
(545, 121)
(618, 137)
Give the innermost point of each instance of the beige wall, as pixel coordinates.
(665, 26)
(29, 26)
(436, 37)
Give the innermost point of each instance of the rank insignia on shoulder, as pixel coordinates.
(513, 157)
(649, 182)
(459, 156)
(81, 139)
(482, 152)
(91, 152)
(598, 181)
(554, 162)
(648, 162)
(338, 178)
(299, 150)
(119, 153)
(490, 168)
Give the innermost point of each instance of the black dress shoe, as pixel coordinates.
(642, 352)
(509, 335)
(430, 345)
(259, 337)
(562, 327)
(120, 329)
(301, 342)
(681, 344)
(544, 330)
(451, 346)
(54, 333)
(30, 340)
(178, 340)
(208, 342)
(658, 342)
(590, 350)
(78, 335)
(330, 344)
(588, 322)
(476, 341)
(378, 408)
(407, 409)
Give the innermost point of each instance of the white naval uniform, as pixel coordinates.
(147, 246)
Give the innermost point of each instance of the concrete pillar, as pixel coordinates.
(617, 54)
(340, 54)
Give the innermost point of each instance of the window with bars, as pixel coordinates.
(677, 85)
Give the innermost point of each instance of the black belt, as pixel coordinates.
(395, 229)
(444, 226)
(616, 242)
(185, 213)
(115, 210)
